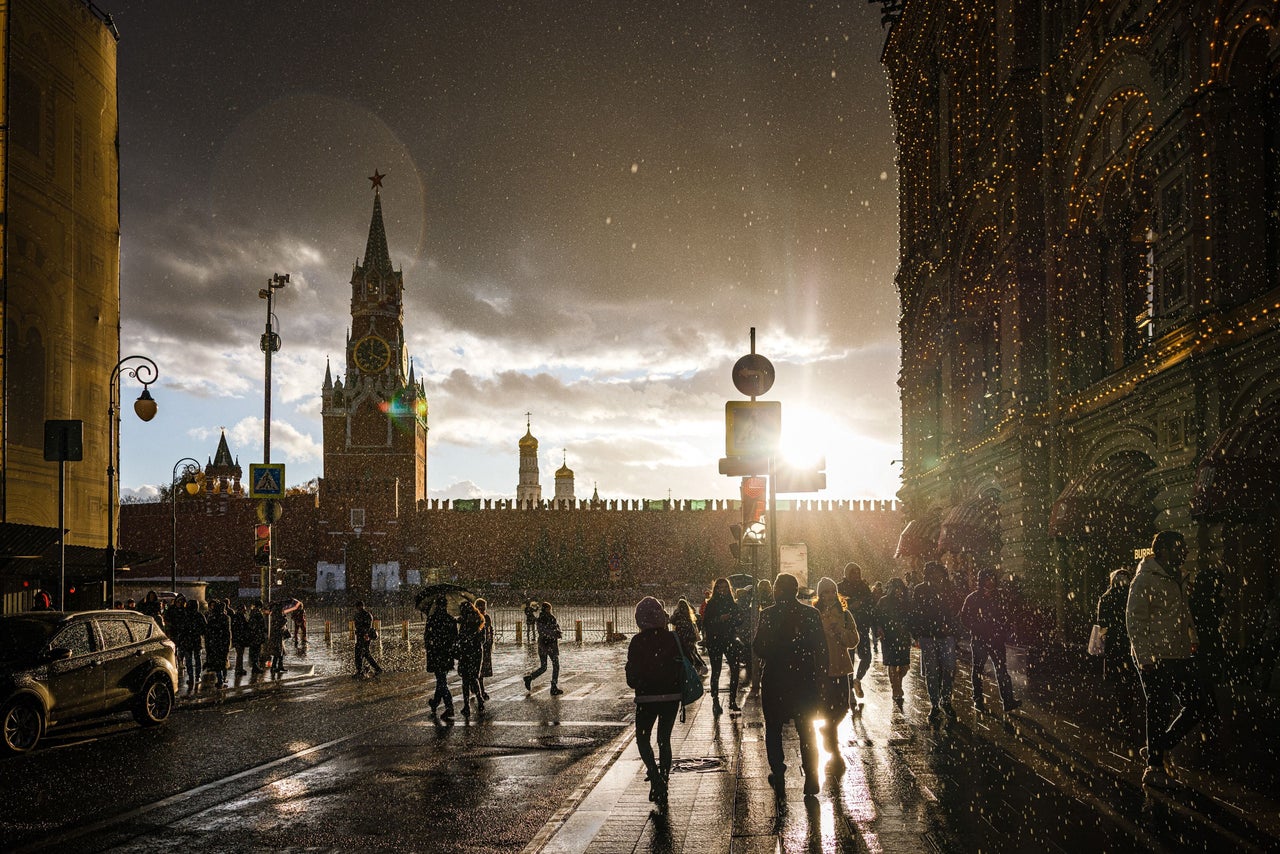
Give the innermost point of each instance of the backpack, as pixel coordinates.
(690, 681)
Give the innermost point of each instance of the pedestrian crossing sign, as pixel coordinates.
(266, 480)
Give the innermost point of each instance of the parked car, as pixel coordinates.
(56, 667)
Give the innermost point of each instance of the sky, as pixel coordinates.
(591, 202)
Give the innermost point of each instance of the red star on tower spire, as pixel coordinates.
(376, 179)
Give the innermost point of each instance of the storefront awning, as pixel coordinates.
(1108, 503)
(1237, 478)
(919, 538)
(972, 526)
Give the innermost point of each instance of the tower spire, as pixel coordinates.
(376, 255)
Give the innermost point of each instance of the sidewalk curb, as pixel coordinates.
(571, 804)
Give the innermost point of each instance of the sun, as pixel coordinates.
(808, 435)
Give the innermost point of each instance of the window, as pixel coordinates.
(115, 633)
(25, 109)
(1173, 286)
(74, 637)
(1171, 206)
(357, 517)
(141, 629)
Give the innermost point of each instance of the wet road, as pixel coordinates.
(325, 762)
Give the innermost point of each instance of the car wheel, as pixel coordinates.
(155, 703)
(23, 724)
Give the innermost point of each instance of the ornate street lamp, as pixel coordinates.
(191, 478)
(145, 408)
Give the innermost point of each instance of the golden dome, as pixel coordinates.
(527, 441)
(564, 471)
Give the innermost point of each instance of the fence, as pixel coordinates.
(595, 620)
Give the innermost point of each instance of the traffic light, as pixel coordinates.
(262, 545)
(792, 478)
(753, 500)
(735, 545)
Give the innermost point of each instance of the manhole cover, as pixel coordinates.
(698, 765)
(563, 742)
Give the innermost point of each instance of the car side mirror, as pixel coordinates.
(58, 653)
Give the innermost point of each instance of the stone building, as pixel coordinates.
(564, 485)
(60, 267)
(528, 489)
(1089, 261)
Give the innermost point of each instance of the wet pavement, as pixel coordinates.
(321, 761)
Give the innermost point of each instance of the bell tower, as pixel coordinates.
(375, 412)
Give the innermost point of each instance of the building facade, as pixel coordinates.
(1089, 262)
(528, 487)
(60, 297)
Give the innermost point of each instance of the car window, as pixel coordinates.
(141, 629)
(115, 633)
(74, 637)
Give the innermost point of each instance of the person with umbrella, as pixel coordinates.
(363, 623)
(548, 647)
(470, 655)
(440, 637)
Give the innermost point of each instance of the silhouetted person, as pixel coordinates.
(988, 624)
(257, 636)
(1164, 642)
(654, 670)
(720, 623)
(217, 642)
(362, 622)
(841, 632)
(470, 655)
(933, 624)
(486, 664)
(861, 605)
(893, 622)
(793, 647)
(440, 637)
(548, 648)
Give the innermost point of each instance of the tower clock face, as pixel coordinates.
(372, 354)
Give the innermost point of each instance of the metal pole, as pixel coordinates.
(62, 535)
(774, 539)
(270, 343)
(141, 373)
(173, 500)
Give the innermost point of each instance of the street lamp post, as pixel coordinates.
(145, 408)
(190, 475)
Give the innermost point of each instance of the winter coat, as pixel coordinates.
(860, 601)
(217, 637)
(893, 620)
(548, 634)
(191, 629)
(363, 621)
(1157, 615)
(720, 623)
(841, 632)
(257, 628)
(275, 638)
(173, 616)
(239, 630)
(930, 616)
(985, 618)
(654, 667)
(1115, 643)
(793, 646)
(1207, 602)
(440, 637)
(687, 632)
(470, 644)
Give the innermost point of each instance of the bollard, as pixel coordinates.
(608, 631)
(351, 630)
(328, 638)
(519, 626)
(577, 630)
(405, 627)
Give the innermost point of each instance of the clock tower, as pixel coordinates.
(375, 412)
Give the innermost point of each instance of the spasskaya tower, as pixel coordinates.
(375, 413)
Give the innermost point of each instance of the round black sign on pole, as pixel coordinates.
(753, 375)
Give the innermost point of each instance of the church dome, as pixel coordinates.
(564, 471)
(527, 441)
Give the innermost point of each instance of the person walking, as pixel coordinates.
(720, 634)
(861, 605)
(191, 632)
(240, 635)
(893, 622)
(470, 655)
(217, 643)
(983, 615)
(440, 637)
(276, 633)
(1117, 660)
(1207, 601)
(530, 620)
(257, 637)
(933, 624)
(840, 629)
(486, 664)
(548, 648)
(41, 601)
(686, 629)
(654, 670)
(298, 617)
(794, 649)
(152, 608)
(362, 623)
(764, 599)
(1164, 642)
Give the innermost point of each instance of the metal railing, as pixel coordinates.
(595, 620)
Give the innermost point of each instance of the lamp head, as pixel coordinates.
(145, 405)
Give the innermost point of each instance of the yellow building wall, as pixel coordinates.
(61, 306)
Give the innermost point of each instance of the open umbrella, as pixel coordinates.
(288, 605)
(454, 595)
